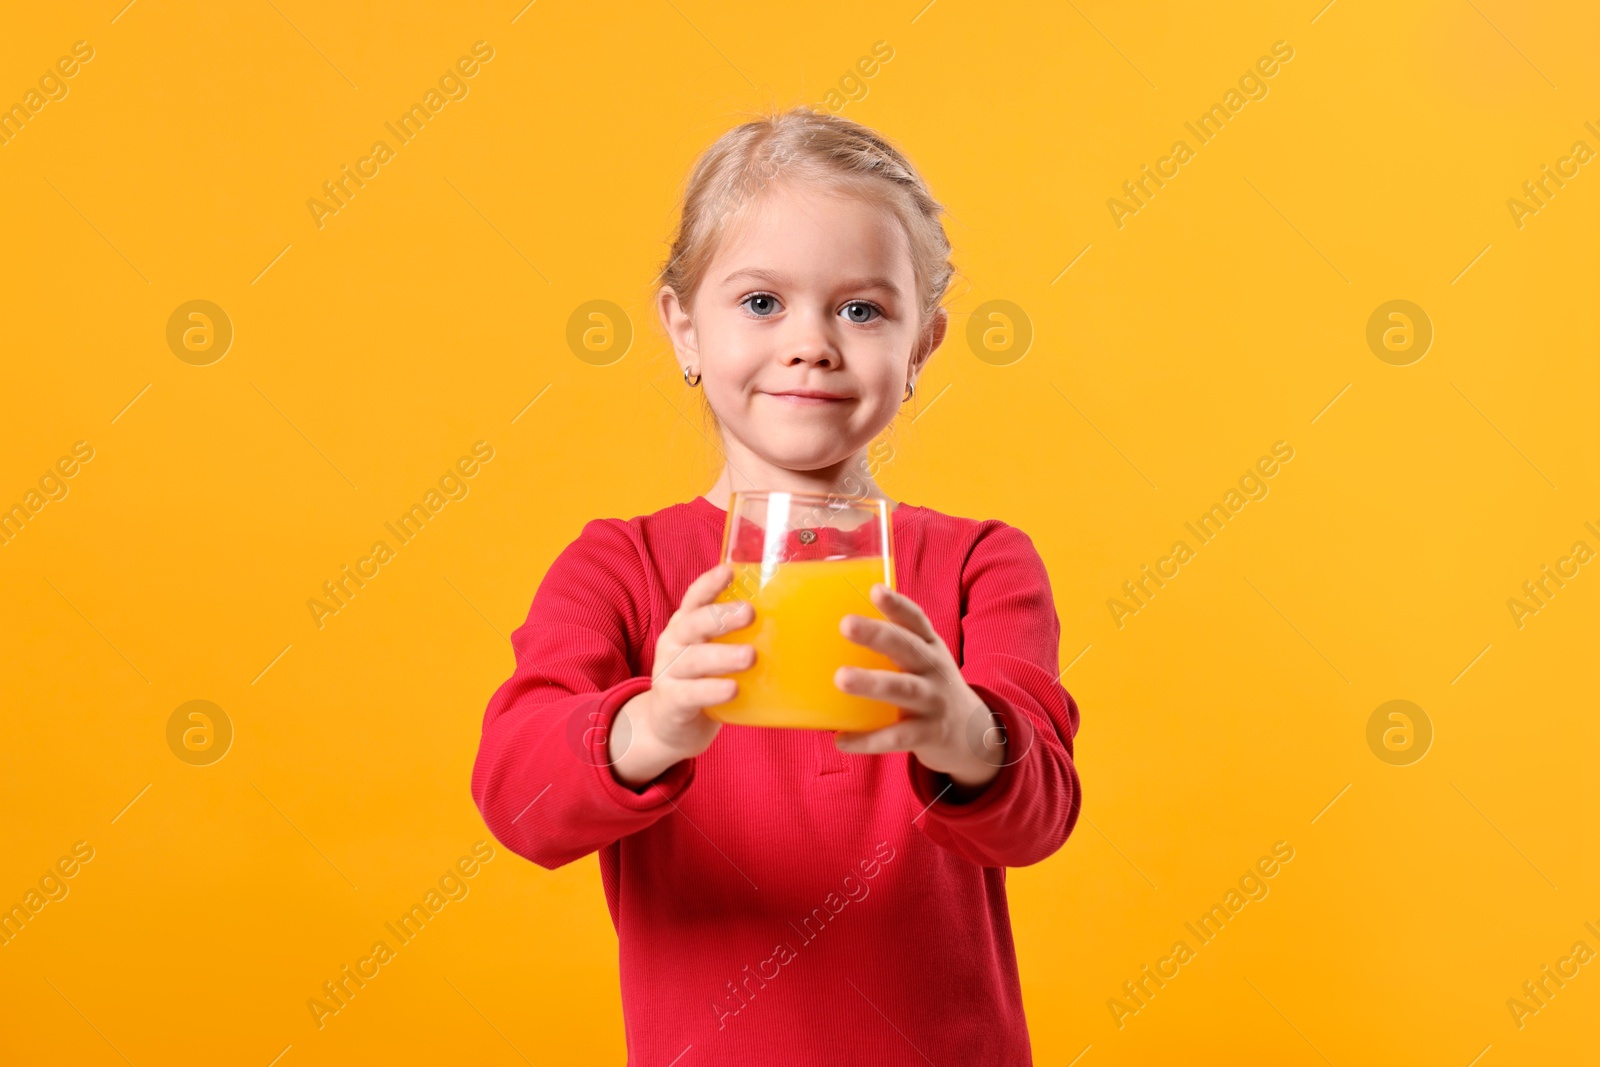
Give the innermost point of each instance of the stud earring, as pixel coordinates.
(690, 382)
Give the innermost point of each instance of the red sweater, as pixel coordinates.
(777, 901)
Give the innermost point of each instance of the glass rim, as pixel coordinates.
(873, 511)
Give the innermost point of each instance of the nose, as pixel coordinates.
(809, 341)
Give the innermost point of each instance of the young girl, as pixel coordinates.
(796, 896)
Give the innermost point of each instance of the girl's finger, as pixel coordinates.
(707, 621)
(905, 611)
(709, 660)
(708, 585)
(720, 618)
(697, 693)
(909, 691)
(898, 737)
(701, 592)
(908, 651)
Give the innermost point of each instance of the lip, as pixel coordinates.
(808, 397)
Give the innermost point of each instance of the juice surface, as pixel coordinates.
(799, 646)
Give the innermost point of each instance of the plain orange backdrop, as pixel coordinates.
(1163, 357)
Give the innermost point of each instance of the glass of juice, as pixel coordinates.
(804, 561)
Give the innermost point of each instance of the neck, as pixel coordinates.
(743, 469)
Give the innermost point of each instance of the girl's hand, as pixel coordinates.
(940, 708)
(666, 723)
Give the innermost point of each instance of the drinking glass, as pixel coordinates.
(804, 561)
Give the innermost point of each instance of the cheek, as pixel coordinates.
(734, 351)
(730, 393)
(880, 369)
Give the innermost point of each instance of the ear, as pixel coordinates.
(679, 327)
(928, 341)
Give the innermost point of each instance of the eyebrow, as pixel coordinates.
(774, 278)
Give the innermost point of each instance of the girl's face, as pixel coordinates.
(813, 294)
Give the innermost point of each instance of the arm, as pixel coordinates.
(542, 778)
(1009, 657)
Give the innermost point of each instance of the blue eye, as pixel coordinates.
(767, 300)
(865, 306)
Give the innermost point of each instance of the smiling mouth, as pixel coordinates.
(808, 401)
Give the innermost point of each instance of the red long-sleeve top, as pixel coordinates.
(777, 901)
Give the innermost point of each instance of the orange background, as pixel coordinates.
(369, 354)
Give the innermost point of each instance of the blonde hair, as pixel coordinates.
(836, 152)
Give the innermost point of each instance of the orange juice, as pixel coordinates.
(799, 646)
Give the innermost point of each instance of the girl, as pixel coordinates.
(792, 896)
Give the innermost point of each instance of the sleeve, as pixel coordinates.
(542, 778)
(1010, 648)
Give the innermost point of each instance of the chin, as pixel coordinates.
(802, 458)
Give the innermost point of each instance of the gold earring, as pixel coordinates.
(691, 383)
(910, 389)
